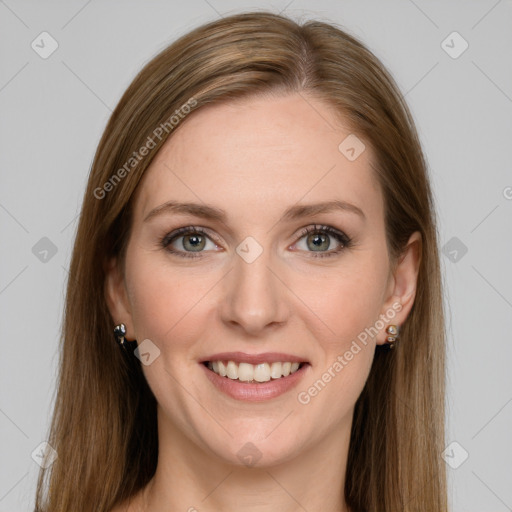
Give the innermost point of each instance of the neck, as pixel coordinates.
(193, 479)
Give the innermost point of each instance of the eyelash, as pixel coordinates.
(344, 240)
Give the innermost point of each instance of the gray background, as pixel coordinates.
(53, 112)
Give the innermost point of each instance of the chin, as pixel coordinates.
(256, 451)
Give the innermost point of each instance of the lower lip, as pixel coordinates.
(255, 392)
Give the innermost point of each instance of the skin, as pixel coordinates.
(254, 158)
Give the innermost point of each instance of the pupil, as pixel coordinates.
(318, 240)
(195, 241)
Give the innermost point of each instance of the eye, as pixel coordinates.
(318, 239)
(193, 240)
(190, 241)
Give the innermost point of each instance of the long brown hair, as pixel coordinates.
(104, 422)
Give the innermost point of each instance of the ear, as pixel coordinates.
(116, 297)
(402, 285)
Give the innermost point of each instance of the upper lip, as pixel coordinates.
(267, 357)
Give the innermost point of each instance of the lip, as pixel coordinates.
(267, 357)
(255, 392)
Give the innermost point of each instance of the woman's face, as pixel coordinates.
(252, 281)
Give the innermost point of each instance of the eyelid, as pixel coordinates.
(345, 241)
(339, 235)
(186, 230)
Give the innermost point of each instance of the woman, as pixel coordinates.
(259, 231)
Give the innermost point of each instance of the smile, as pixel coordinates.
(254, 377)
(253, 373)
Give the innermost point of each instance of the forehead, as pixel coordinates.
(252, 153)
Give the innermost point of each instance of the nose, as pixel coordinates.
(254, 296)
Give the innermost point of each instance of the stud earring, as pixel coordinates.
(120, 333)
(392, 336)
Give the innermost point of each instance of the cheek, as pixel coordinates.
(348, 311)
(345, 302)
(165, 304)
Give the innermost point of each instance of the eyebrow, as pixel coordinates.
(293, 213)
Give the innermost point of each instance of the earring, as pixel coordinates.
(392, 337)
(120, 333)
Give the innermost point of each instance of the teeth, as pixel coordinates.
(262, 372)
(275, 370)
(222, 369)
(232, 370)
(246, 372)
